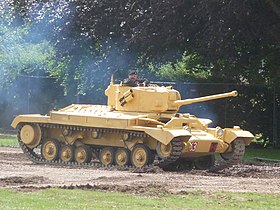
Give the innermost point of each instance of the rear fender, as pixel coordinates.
(232, 134)
(166, 135)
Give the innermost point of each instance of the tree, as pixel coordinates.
(206, 41)
(237, 40)
(20, 56)
(24, 66)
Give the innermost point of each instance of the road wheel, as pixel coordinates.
(140, 155)
(122, 157)
(106, 156)
(50, 150)
(205, 162)
(67, 153)
(83, 154)
(163, 151)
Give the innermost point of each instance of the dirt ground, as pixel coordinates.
(16, 171)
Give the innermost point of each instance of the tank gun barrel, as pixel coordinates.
(179, 103)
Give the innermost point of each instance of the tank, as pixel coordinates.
(138, 126)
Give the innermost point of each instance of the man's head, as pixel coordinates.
(132, 75)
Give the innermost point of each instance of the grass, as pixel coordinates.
(269, 153)
(8, 140)
(86, 199)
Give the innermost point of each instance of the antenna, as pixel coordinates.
(112, 80)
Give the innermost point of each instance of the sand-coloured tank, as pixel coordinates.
(137, 125)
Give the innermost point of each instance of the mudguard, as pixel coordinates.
(31, 118)
(232, 134)
(166, 135)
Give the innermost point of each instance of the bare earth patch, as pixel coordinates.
(16, 171)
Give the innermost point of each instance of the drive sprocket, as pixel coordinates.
(176, 146)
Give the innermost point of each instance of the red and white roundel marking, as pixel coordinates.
(193, 146)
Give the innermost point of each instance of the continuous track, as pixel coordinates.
(236, 154)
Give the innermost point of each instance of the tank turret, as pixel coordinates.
(152, 98)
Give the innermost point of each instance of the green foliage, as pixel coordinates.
(25, 62)
(188, 67)
(233, 41)
(20, 56)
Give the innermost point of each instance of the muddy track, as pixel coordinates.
(17, 171)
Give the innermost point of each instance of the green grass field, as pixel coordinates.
(86, 199)
(8, 140)
(268, 153)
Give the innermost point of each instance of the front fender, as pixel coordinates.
(166, 135)
(232, 134)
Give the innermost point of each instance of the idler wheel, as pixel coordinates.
(205, 162)
(50, 150)
(122, 157)
(236, 153)
(163, 151)
(67, 153)
(31, 135)
(106, 156)
(140, 155)
(83, 154)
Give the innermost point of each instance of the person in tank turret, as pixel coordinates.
(133, 80)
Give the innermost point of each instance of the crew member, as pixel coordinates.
(133, 81)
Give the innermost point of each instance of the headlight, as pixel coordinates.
(220, 132)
